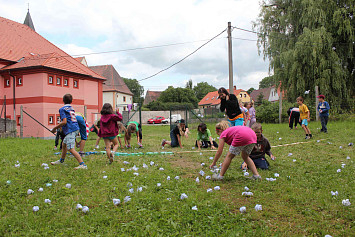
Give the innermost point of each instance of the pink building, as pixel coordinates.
(36, 74)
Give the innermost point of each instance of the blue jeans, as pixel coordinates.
(324, 122)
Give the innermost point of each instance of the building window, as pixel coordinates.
(18, 120)
(8, 117)
(124, 108)
(241, 95)
(66, 82)
(50, 80)
(124, 98)
(59, 81)
(76, 83)
(58, 120)
(245, 95)
(19, 81)
(50, 119)
(7, 82)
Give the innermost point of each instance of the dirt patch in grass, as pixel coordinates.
(185, 163)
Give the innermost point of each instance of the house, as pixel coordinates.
(35, 74)
(115, 91)
(212, 100)
(151, 96)
(270, 94)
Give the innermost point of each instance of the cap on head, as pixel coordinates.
(321, 96)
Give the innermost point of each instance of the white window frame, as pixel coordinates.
(19, 81)
(60, 81)
(50, 80)
(75, 84)
(50, 120)
(65, 82)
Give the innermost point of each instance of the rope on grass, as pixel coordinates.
(295, 143)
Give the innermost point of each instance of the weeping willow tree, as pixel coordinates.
(310, 43)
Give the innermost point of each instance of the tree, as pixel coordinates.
(266, 82)
(189, 84)
(310, 43)
(202, 89)
(136, 89)
(179, 95)
(260, 98)
(251, 90)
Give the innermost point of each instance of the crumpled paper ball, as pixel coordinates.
(348, 157)
(68, 185)
(346, 202)
(340, 147)
(247, 194)
(276, 175)
(145, 166)
(258, 207)
(123, 170)
(17, 165)
(158, 184)
(55, 181)
(30, 191)
(35, 208)
(136, 174)
(246, 174)
(46, 167)
(209, 190)
(127, 199)
(202, 164)
(140, 189)
(47, 200)
(343, 166)
(44, 164)
(197, 180)
(183, 196)
(194, 208)
(318, 140)
(290, 154)
(193, 148)
(40, 190)
(246, 188)
(177, 177)
(211, 158)
(85, 209)
(125, 162)
(328, 236)
(294, 160)
(116, 201)
(161, 168)
(79, 206)
(48, 184)
(131, 190)
(208, 177)
(168, 178)
(169, 199)
(135, 168)
(334, 193)
(8, 182)
(129, 184)
(151, 163)
(338, 170)
(280, 138)
(202, 173)
(104, 177)
(242, 209)
(217, 188)
(270, 179)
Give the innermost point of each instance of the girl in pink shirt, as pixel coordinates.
(241, 140)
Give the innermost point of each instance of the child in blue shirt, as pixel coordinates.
(70, 129)
(323, 108)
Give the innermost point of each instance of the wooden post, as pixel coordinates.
(21, 121)
(230, 59)
(317, 112)
(280, 107)
(86, 112)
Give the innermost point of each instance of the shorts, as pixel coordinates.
(82, 127)
(236, 150)
(69, 139)
(109, 138)
(305, 122)
(174, 139)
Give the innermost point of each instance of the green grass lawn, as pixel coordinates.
(298, 203)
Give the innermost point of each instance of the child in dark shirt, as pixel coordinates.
(176, 134)
(261, 148)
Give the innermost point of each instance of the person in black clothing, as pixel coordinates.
(230, 105)
(176, 134)
(60, 135)
(293, 117)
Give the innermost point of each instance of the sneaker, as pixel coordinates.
(97, 147)
(217, 177)
(163, 142)
(255, 177)
(57, 162)
(81, 167)
(310, 136)
(306, 137)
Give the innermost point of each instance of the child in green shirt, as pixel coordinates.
(204, 138)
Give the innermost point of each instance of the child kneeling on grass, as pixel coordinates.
(261, 148)
(241, 140)
(109, 129)
(204, 137)
(176, 134)
(70, 129)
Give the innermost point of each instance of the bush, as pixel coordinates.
(268, 112)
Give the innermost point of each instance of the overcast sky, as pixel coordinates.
(90, 26)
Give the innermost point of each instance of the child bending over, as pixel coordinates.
(261, 148)
(133, 127)
(70, 129)
(241, 140)
(204, 138)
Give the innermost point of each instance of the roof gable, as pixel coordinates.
(212, 97)
(151, 96)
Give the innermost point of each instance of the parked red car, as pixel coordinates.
(156, 119)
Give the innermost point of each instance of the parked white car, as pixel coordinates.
(174, 119)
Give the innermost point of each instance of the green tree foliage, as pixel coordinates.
(189, 84)
(268, 112)
(178, 95)
(136, 89)
(250, 90)
(309, 43)
(202, 89)
(260, 98)
(267, 82)
(162, 106)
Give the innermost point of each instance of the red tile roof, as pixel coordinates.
(114, 81)
(212, 98)
(265, 92)
(151, 96)
(19, 41)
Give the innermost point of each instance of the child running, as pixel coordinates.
(241, 140)
(133, 127)
(70, 129)
(323, 108)
(176, 133)
(304, 117)
(261, 148)
(204, 137)
(83, 130)
(109, 129)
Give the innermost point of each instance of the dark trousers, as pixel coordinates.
(324, 122)
(294, 118)
(206, 144)
(57, 136)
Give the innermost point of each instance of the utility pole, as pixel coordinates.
(317, 94)
(230, 59)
